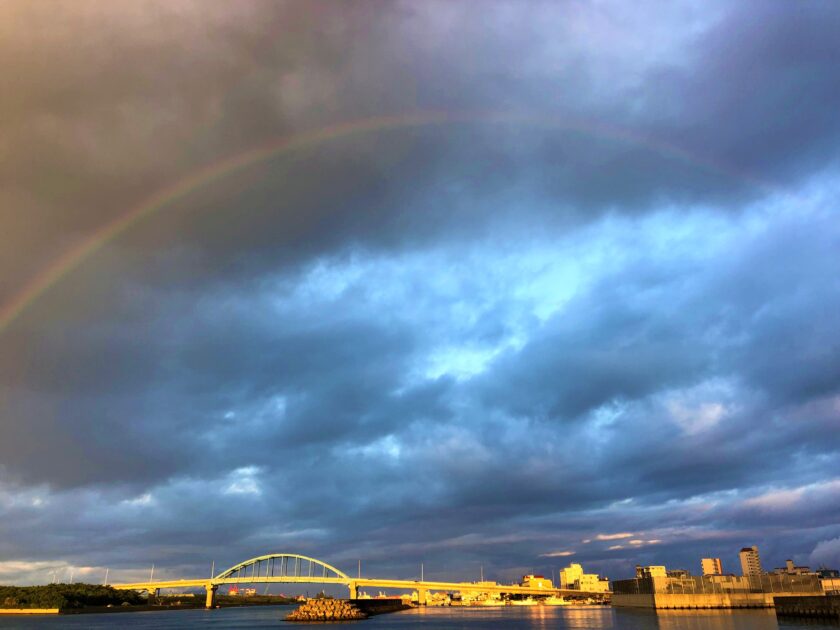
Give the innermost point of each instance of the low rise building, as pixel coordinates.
(791, 569)
(536, 581)
(830, 586)
(592, 583)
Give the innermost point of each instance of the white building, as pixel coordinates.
(574, 577)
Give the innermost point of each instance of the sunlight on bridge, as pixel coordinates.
(291, 568)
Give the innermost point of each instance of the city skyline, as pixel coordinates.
(406, 284)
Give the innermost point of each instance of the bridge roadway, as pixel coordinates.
(239, 574)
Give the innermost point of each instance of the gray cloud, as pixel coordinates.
(610, 307)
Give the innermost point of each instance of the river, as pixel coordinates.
(509, 618)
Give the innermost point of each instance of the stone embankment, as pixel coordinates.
(326, 610)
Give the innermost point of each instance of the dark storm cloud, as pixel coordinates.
(152, 94)
(475, 342)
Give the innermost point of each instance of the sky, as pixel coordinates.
(504, 287)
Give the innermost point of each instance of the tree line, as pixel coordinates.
(66, 596)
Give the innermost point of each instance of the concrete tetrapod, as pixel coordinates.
(326, 610)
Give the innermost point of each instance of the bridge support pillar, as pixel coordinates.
(211, 596)
(354, 590)
(422, 596)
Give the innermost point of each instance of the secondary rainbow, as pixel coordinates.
(74, 256)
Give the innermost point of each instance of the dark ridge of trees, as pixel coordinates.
(65, 596)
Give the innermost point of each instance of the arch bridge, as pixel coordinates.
(285, 568)
(292, 568)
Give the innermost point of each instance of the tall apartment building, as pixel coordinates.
(750, 562)
(711, 566)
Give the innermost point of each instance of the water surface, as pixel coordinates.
(518, 618)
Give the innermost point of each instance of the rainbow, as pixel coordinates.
(73, 257)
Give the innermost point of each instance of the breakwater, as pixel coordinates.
(326, 610)
(825, 606)
(345, 609)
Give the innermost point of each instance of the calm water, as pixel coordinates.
(448, 618)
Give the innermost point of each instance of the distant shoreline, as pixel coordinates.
(27, 612)
(156, 608)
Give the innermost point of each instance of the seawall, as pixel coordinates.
(808, 606)
(695, 601)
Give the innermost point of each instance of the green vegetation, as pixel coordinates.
(66, 596)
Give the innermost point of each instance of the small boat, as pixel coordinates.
(555, 601)
(489, 601)
(528, 601)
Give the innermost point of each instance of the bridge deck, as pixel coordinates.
(410, 585)
(469, 586)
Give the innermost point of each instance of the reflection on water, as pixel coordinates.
(510, 618)
(762, 619)
(514, 618)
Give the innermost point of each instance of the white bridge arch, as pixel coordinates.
(282, 567)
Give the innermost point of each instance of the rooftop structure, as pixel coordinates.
(650, 571)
